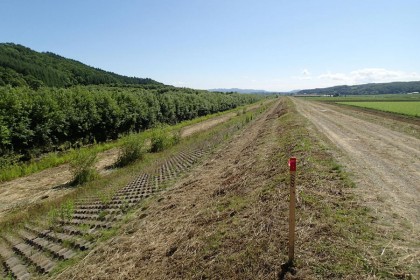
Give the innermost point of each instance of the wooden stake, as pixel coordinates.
(292, 207)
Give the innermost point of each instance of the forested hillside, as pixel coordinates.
(21, 66)
(50, 103)
(366, 89)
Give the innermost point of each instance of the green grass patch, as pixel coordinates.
(409, 108)
(361, 98)
(132, 149)
(82, 167)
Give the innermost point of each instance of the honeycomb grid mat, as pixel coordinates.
(38, 250)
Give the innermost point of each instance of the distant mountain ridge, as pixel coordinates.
(366, 89)
(21, 66)
(239, 90)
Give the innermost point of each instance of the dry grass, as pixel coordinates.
(227, 219)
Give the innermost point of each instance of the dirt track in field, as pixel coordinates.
(202, 126)
(384, 163)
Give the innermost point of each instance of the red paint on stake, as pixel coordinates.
(292, 164)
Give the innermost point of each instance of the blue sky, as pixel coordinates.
(273, 45)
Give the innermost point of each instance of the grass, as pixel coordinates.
(49, 160)
(162, 139)
(410, 108)
(132, 149)
(241, 230)
(361, 98)
(82, 167)
(105, 186)
(102, 187)
(15, 170)
(338, 236)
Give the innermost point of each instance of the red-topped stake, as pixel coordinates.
(292, 207)
(292, 164)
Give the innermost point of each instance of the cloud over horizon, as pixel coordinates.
(370, 75)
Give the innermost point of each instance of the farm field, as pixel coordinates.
(362, 98)
(409, 108)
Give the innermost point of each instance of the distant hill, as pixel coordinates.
(366, 89)
(21, 66)
(238, 90)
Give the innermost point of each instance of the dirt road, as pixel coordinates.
(385, 163)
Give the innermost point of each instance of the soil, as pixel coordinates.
(384, 163)
(45, 185)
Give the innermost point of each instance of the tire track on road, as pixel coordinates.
(385, 164)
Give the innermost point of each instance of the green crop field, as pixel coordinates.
(375, 97)
(410, 108)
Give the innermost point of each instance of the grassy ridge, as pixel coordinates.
(410, 108)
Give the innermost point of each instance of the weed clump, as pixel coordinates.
(132, 149)
(82, 167)
(162, 139)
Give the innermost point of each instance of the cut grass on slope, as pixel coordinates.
(228, 220)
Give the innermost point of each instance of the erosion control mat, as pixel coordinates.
(228, 218)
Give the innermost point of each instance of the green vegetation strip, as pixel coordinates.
(410, 108)
(361, 98)
(15, 170)
(101, 186)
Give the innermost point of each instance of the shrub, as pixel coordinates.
(159, 140)
(162, 139)
(176, 138)
(248, 117)
(131, 150)
(82, 167)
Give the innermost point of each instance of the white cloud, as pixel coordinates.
(370, 75)
(335, 77)
(304, 75)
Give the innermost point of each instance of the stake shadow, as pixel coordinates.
(285, 268)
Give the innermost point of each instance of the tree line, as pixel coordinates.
(366, 89)
(49, 119)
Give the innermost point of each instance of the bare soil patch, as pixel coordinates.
(46, 185)
(189, 130)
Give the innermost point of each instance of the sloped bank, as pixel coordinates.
(228, 218)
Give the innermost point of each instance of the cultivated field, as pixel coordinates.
(399, 107)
